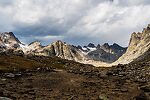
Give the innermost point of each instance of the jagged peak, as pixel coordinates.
(148, 26)
(91, 45)
(79, 47)
(136, 35)
(8, 35)
(98, 46)
(35, 43)
(138, 45)
(146, 30)
(133, 34)
(106, 45)
(116, 45)
(59, 41)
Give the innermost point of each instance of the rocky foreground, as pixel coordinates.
(44, 78)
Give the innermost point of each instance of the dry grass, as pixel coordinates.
(16, 63)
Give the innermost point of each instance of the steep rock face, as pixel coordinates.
(63, 50)
(35, 45)
(139, 44)
(86, 49)
(107, 53)
(8, 37)
(34, 48)
(105, 47)
(101, 55)
(8, 40)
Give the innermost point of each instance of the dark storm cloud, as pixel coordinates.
(74, 21)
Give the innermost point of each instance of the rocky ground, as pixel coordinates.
(67, 80)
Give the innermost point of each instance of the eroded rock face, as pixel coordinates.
(63, 50)
(139, 44)
(35, 45)
(9, 37)
(101, 55)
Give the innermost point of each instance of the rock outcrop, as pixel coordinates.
(138, 45)
(8, 40)
(91, 45)
(63, 50)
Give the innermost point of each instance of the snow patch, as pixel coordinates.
(24, 47)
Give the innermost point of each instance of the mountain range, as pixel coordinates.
(56, 71)
(97, 55)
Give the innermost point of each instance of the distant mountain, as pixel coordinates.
(105, 53)
(58, 48)
(139, 44)
(63, 50)
(8, 40)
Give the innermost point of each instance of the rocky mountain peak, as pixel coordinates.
(148, 27)
(59, 42)
(138, 45)
(98, 46)
(116, 46)
(79, 47)
(135, 38)
(9, 41)
(105, 45)
(36, 43)
(8, 38)
(91, 45)
(63, 50)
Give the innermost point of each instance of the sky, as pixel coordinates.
(74, 21)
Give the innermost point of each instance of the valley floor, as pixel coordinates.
(61, 85)
(77, 82)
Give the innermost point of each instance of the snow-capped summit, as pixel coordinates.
(86, 49)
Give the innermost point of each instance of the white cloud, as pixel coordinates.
(94, 20)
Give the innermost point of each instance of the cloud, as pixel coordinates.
(74, 21)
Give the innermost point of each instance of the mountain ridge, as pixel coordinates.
(100, 55)
(138, 45)
(89, 54)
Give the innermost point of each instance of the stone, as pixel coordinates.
(145, 88)
(5, 98)
(9, 75)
